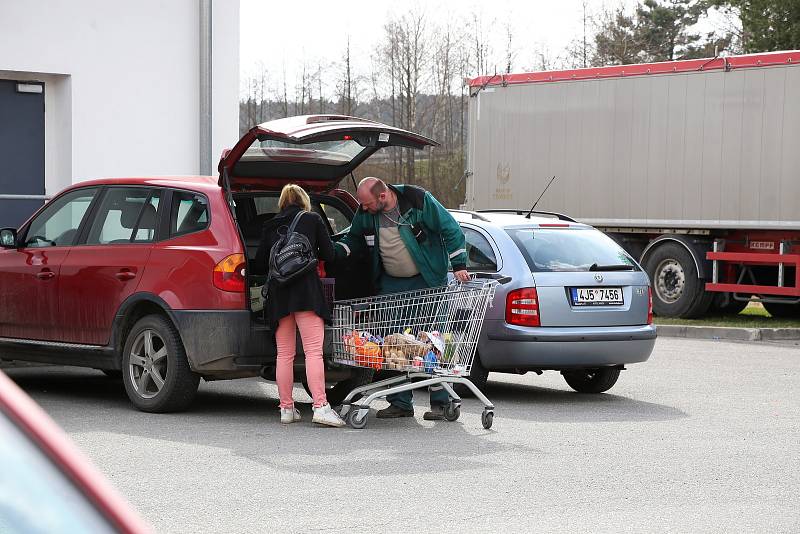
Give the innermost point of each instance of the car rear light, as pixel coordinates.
(522, 307)
(649, 305)
(554, 225)
(229, 274)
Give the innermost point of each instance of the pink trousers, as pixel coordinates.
(312, 332)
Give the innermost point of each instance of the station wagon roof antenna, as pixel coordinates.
(528, 216)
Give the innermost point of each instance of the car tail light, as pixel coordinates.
(649, 305)
(229, 273)
(522, 307)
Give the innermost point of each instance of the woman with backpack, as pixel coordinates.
(298, 303)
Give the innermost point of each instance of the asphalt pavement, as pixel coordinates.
(702, 438)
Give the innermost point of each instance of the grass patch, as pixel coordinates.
(753, 316)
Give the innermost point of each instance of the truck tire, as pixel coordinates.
(779, 309)
(591, 380)
(678, 291)
(155, 370)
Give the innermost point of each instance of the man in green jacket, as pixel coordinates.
(413, 241)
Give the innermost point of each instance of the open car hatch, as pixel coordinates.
(314, 151)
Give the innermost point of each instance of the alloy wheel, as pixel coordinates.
(148, 364)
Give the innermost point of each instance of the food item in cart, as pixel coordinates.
(410, 347)
(418, 362)
(451, 341)
(394, 358)
(369, 355)
(430, 362)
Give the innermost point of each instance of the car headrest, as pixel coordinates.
(130, 214)
(149, 217)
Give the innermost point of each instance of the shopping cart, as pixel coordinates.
(429, 336)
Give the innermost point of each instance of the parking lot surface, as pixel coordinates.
(703, 437)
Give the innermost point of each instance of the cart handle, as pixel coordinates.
(491, 276)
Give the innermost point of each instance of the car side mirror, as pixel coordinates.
(8, 238)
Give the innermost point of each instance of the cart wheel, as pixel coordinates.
(487, 418)
(452, 412)
(354, 420)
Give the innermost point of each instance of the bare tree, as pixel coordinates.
(510, 52)
(346, 102)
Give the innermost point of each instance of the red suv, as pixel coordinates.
(150, 277)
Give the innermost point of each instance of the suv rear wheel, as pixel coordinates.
(591, 380)
(336, 394)
(155, 371)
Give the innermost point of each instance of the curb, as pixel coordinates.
(729, 333)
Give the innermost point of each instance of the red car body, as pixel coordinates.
(77, 298)
(49, 440)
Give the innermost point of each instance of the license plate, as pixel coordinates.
(596, 296)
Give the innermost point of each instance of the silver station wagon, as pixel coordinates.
(576, 303)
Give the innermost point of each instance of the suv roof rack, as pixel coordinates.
(473, 214)
(559, 216)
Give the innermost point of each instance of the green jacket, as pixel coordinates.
(442, 246)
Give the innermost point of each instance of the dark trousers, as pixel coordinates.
(405, 400)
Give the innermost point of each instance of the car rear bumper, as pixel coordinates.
(229, 343)
(508, 347)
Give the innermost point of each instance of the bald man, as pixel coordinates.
(413, 241)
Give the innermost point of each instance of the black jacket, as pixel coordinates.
(305, 293)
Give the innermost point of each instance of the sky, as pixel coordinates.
(281, 35)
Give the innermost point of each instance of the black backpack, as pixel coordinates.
(291, 256)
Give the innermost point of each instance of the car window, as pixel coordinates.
(125, 212)
(145, 231)
(189, 213)
(35, 496)
(480, 256)
(58, 224)
(567, 249)
(336, 218)
(266, 205)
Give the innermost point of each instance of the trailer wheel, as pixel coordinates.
(678, 291)
(779, 309)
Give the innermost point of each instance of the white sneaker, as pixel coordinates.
(324, 415)
(290, 415)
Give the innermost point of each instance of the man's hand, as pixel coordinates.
(462, 276)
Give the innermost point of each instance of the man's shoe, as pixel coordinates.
(324, 415)
(436, 413)
(289, 415)
(394, 412)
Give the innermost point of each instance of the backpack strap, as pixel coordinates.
(295, 221)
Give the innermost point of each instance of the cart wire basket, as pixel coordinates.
(428, 336)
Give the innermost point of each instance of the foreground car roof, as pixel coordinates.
(52, 441)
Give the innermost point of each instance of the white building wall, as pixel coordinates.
(122, 82)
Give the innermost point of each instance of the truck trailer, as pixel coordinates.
(692, 166)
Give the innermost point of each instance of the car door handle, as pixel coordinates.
(124, 276)
(45, 275)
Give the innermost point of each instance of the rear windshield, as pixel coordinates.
(337, 152)
(569, 249)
